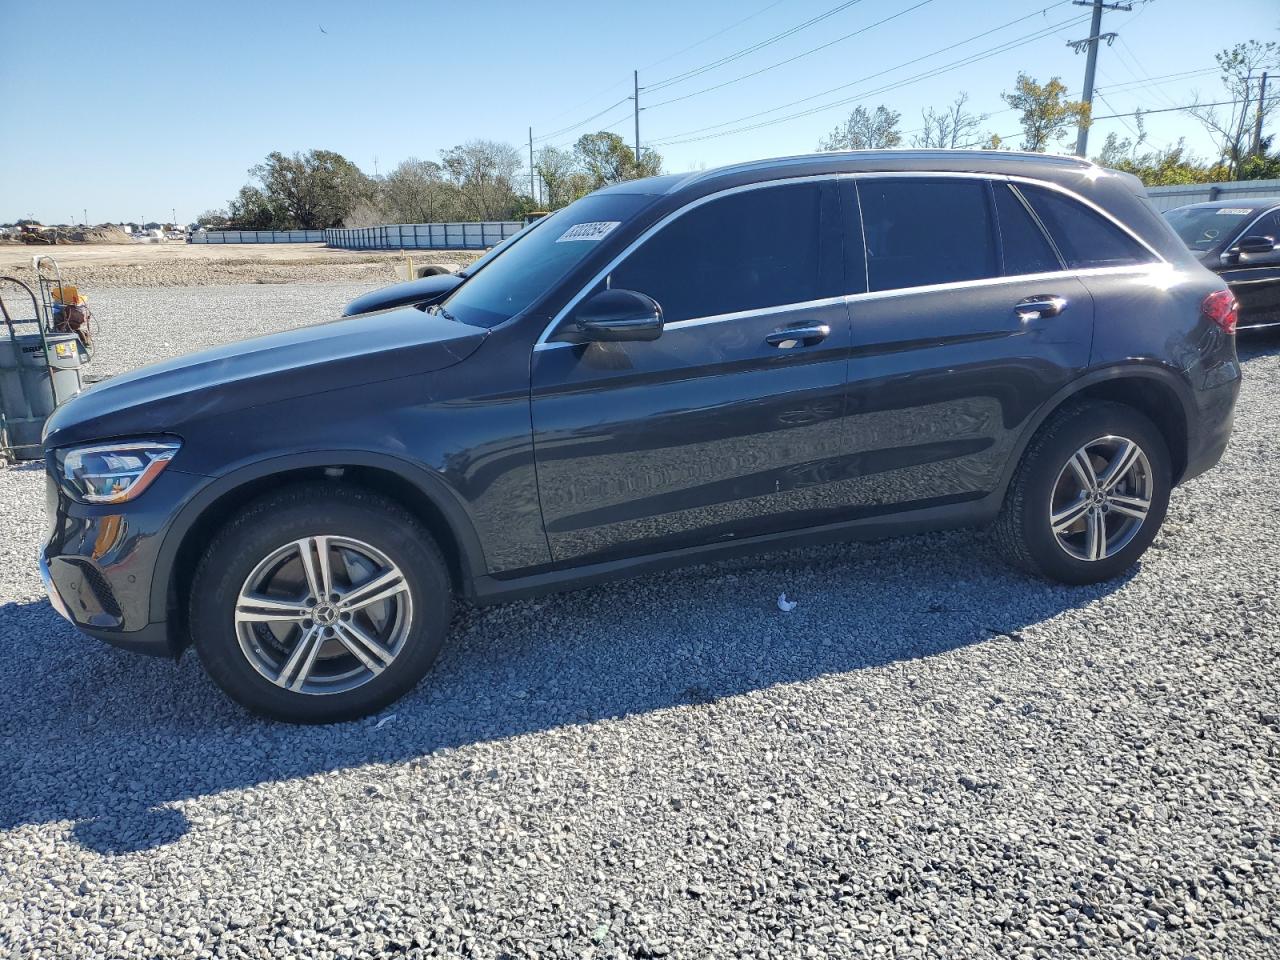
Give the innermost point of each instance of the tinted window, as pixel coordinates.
(754, 249)
(1085, 238)
(1026, 249)
(1268, 226)
(920, 232)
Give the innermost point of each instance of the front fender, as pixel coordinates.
(428, 483)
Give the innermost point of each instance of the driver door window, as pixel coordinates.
(746, 251)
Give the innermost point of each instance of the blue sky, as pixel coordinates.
(171, 103)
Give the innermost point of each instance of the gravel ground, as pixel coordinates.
(931, 756)
(97, 267)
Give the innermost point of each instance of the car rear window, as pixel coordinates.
(921, 232)
(1026, 248)
(1084, 237)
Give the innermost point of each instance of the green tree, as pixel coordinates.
(606, 158)
(311, 190)
(1047, 114)
(563, 179)
(865, 130)
(252, 209)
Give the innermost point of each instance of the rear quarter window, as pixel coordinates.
(1083, 236)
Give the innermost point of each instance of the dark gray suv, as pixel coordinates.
(667, 371)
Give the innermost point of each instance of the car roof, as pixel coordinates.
(861, 161)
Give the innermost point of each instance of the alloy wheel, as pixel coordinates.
(1101, 498)
(324, 614)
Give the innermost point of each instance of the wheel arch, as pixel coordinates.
(424, 493)
(1154, 389)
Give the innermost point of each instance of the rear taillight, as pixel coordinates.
(1220, 307)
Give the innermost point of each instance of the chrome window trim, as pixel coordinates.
(543, 343)
(855, 298)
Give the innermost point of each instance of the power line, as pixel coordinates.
(721, 32)
(1185, 106)
(575, 126)
(870, 76)
(686, 136)
(798, 56)
(739, 54)
(672, 56)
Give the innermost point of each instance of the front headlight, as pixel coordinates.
(114, 472)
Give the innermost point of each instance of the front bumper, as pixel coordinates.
(100, 564)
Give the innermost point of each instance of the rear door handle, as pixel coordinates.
(1037, 308)
(786, 338)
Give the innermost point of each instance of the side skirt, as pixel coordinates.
(488, 589)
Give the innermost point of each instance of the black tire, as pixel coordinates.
(1024, 531)
(293, 514)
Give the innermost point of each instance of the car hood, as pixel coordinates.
(308, 360)
(422, 290)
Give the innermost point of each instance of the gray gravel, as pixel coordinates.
(931, 756)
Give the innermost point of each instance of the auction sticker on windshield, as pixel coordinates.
(596, 230)
(1233, 212)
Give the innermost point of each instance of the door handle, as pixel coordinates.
(1037, 308)
(786, 338)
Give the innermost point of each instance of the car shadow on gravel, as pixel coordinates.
(117, 743)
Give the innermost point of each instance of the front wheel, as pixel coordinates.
(1089, 495)
(319, 604)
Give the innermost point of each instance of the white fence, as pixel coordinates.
(424, 236)
(257, 236)
(1166, 198)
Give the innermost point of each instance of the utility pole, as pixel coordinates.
(636, 101)
(1257, 122)
(1091, 63)
(531, 187)
(86, 209)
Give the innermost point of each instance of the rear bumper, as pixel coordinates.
(1216, 401)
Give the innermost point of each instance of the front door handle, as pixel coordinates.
(1037, 308)
(786, 338)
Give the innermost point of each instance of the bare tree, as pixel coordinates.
(865, 130)
(1233, 127)
(561, 176)
(416, 192)
(484, 174)
(950, 128)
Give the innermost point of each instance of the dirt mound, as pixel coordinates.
(107, 233)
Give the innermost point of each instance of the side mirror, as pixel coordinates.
(1256, 244)
(614, 315)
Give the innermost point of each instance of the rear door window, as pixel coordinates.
(746, 251)
(921, 232)
(1026, 248)
(1084, 237)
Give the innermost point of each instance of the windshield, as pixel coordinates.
(496, 249)
(1203, 228)
(526, 270)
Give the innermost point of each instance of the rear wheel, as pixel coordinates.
(320, 604)
(1089, 495)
